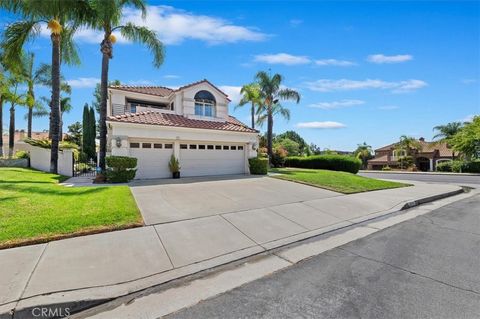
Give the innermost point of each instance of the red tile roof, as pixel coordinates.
(167, 119)
(161, 90)
(427, 147)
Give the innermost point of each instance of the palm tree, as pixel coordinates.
(250, 94)
(65, 107)
(3, 91)
(57, 14)
(271, 94)
(447, 132)
(407, 144)
(107, 18)
(364, 153)
(15, 98)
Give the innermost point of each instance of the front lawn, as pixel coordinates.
(34, 208)
(341, 182)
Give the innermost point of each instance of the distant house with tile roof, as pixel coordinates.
(425, 159)
(191, 122)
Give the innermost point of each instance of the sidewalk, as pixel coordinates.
(84, 271)
(419, 173)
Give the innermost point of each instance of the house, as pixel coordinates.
(191, 122)
(18, 138)
(425, 159)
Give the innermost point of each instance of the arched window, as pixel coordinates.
(204, 104)
(399, 153)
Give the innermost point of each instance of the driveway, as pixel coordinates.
(165, 201)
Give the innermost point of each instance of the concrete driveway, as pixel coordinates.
(165, 201)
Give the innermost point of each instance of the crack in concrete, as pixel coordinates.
(409, 271)
(449, 228)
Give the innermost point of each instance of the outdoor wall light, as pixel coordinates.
(118, 142)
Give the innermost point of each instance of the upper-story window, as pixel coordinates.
(134, 106)
(204, 104)
(399, 153)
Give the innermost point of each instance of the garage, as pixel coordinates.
(200, 159)
(152, 158)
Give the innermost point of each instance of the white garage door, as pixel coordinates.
(209, 159)
(153, 158)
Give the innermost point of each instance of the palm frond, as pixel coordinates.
(289, 94)
(68, 47)
(145, 36)
(15, 37)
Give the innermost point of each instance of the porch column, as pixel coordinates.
(176, 149)
(431, 165)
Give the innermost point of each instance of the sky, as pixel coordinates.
(366, 71)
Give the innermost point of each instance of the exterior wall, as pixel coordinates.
(221, 107)
(13, 162)
(40, 159)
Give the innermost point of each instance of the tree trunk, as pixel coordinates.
(55, 103)
(106, 49)
(29, 125)
(11, 132)
(253, 115)
(60, 128)
(270, 134)
(1, 126)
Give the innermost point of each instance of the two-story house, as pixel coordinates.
(425, 159)
(191, 122)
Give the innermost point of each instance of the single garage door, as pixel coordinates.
(152, 159)
(198, 159)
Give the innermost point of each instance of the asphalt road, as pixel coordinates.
(428, 267)
(455, 179)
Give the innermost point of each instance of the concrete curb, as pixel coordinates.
(78, 300)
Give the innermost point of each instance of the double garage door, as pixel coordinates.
(196, 159)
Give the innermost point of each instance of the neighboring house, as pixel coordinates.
(18, 138)
(192, 122)
(425, 159)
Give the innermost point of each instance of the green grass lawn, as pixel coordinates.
(341, 182)
(34, 208)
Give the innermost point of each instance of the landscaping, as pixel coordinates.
(331, 162)
(34, 208)
(342, 182)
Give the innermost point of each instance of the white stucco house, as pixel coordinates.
(192, 122)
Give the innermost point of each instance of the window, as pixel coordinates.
(146, 145)
(201, 147)
(168, 146)
(233, 147)
(204, 104)
(225, 147)
(193, 146)
(218, 147)
(399, 153)
(209, 147)
(132, 105)
(134, 145)
(157, 145)
(240, 148)
(183, 146)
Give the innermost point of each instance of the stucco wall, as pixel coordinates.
(40, 159)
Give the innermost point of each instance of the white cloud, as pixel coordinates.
(83, 83)
(388, 107)
(321, 125)
(334, 62)
(336, 104)
(171, 76)
(295, 22)
(328, 85)
(380, 58)
(468, 118)
(174, 26)
(282, 58)
(469, 81)
(233, 93)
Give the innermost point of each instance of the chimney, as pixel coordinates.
(421, 139)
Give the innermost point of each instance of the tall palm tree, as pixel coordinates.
(65, 107)
(58, 14)
(364, 153)
(447, 132)
(3, 91)
(272, 94)
(107, 18)
(408, 144)
(250, 94)
(15, 98)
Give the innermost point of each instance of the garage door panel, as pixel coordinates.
(196, 162)
(152, 163)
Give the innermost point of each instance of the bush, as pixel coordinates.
(278, 157)
(258, 165)
(22, 154)
(457, 166)
(292, 147)
(406, 161)
(444, 166)
(386, 168)
(471, 167)
(330, 162)
(121, 169)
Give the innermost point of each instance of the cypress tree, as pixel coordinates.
(93, 133)
(86, 130)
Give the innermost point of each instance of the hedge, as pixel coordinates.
(330, 162)
(471, 167)
(258, 165)
(120, 168)
(459, 166)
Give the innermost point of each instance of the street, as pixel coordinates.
(464, 180)
(427, 267)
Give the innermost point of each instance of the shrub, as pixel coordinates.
(457, 166)
(292, 147)
(405, 161)
(471, 167)
(121, 169)
(278, 157)
(174, 164)
(258, 165)
(330, 162)
(444, 166)
(386, 168)
(22, 154)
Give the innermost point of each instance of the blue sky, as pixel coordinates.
(367, 71)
